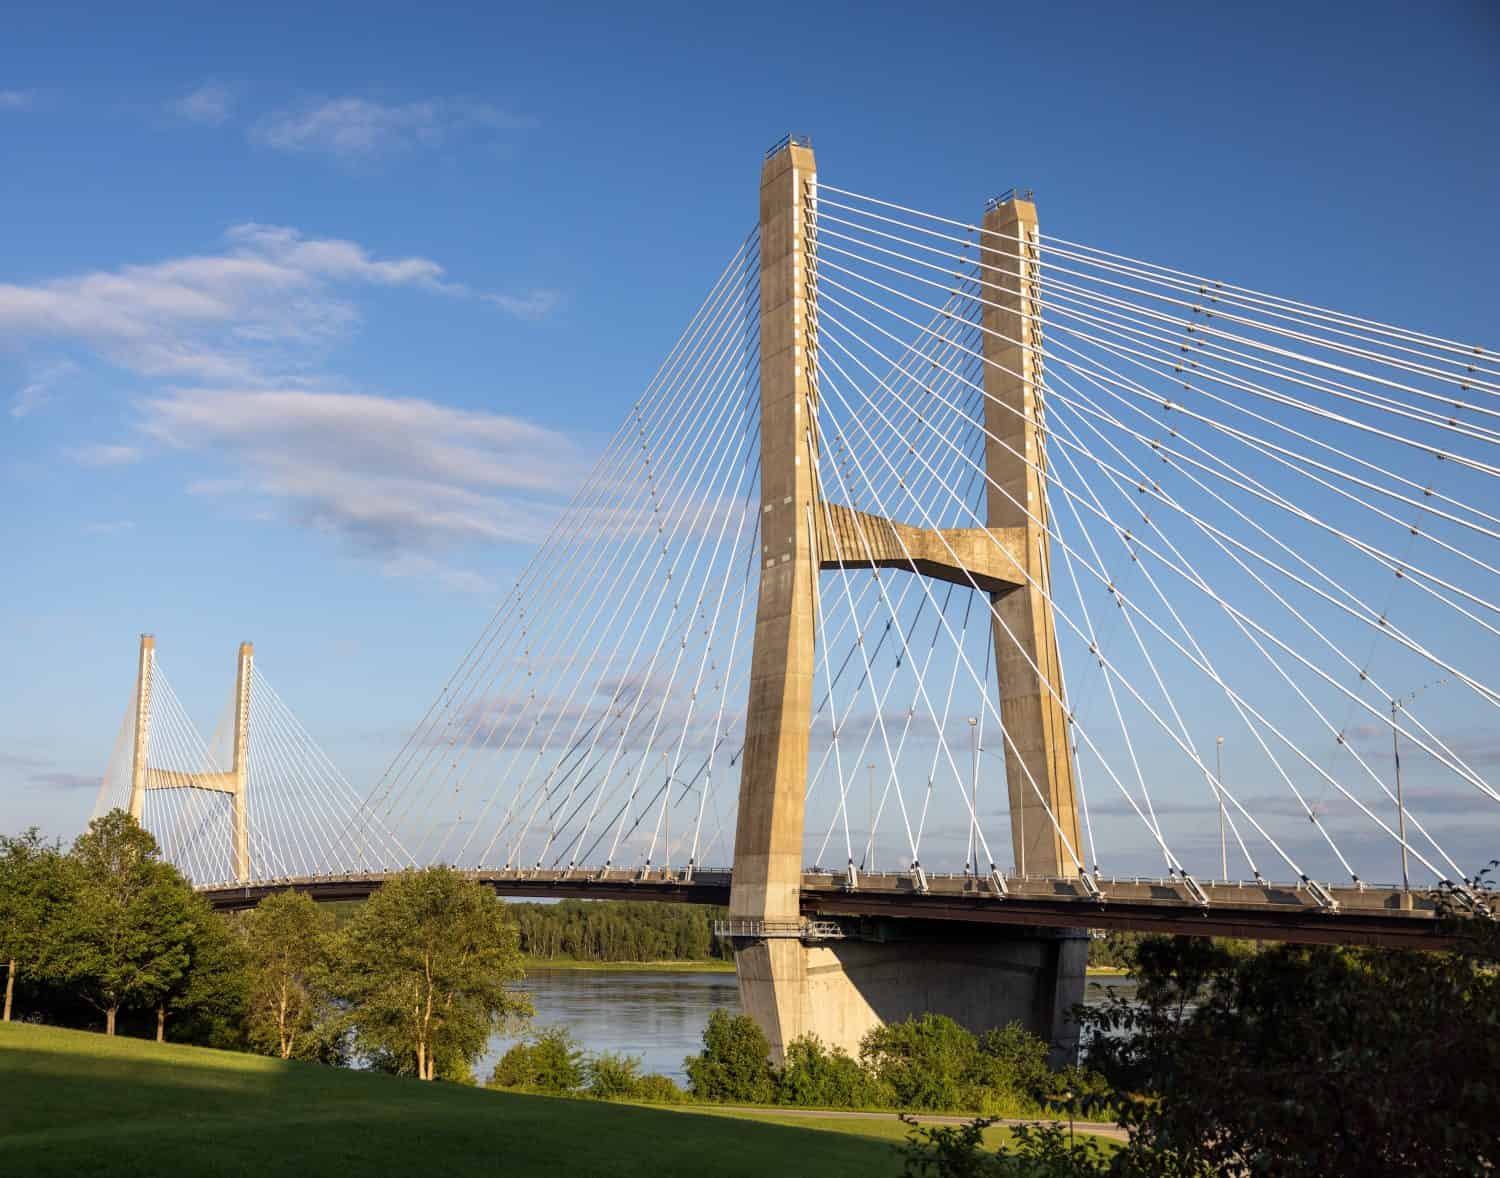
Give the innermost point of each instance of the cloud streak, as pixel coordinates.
(209, 105)
(237, 339)
(229, 317)
(358, 129)
(388, 476)
(103, 454)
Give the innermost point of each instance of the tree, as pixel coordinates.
(33, 889)
(425, 968)
(735, 1063)
(211, 994)
(125, 936)
(289, 1004)
(1310, 1060)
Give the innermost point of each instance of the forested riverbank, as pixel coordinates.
(620, 931)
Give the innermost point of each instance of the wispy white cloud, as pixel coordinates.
(241, 316)
(392, 477)
(40, 388)
(361, 129)
(537, 304)
(239, 336)
(210, 105)
(423, 568)
(17, 99)
(101, 454)
(112, 527)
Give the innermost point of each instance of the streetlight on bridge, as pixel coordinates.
(1219, 791)
(971, 856)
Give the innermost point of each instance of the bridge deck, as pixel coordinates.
(1282, 912)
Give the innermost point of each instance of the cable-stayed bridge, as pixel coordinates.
(913, 611)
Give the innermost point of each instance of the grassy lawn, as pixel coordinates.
(880, 1128)
(883, 1127)
(76, 1103)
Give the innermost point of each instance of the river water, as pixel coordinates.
(657, 1016)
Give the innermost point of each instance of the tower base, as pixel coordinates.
(839, 990)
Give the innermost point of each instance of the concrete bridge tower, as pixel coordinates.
(144, 776)
(839, 989)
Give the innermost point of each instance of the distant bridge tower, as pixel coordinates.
(840, 990)
(144, 776)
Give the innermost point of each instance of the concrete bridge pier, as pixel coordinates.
(839, 990)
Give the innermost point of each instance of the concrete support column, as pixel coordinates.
(773, 776)
(240, 772)
(1038, 764)
(141, 747)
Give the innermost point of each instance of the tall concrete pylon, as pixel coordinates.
(1038, 764)
(768, 832)
(839, 990)
(144, 776)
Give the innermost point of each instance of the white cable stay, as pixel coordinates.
(1152, 712)
(1369, 550)
(1469, 351)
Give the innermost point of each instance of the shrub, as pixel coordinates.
(928, 1061)
(655, 1089)
(818, 1076)
(550, 1063)
(735, 1063)
(1036, 1151)
(1010, 1074)
(613, 1075)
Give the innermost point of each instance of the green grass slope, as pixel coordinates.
(76, 1103)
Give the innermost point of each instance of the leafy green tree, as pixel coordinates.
(929, 1061)
(735, 1063)
(424, 968)
(550, 1062)
(210, 997)
(289, 1011)
(815, 1076)
(1309, 1060)
(613, 1075)
(124, 938)
(33, 890)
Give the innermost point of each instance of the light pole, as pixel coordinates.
(871, 777)
(1400, 806)
(1219, 790)
(1396, 706)
(972, 856)
(666, 772)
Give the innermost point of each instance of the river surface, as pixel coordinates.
(657, 1016)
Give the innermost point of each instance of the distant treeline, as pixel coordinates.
(586, 930)
(623, 930)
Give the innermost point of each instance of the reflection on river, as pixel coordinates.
(657, 1016)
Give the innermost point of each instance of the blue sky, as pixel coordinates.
(310, 316)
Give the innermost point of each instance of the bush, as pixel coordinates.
(655, 1089)
(613, 1076)
(735, 1063)
(550, 1063)
(1036, 1151)
(817, 1076)
(928, 1061)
